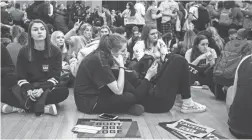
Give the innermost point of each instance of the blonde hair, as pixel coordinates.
(219, 41)
(188, 40)
(83, 27)
(53, 40)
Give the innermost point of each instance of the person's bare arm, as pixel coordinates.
(117, 86)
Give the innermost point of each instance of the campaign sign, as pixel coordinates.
(190, 128)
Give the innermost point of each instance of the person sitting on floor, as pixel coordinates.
(172, 78)
(78, 43)
(38, 69)
(58, 40)
(239, 101)
(232, 35)
(15, 46)
(202, 58)
(96, 88)
(9, 77)
(141, 62)
(132, 41)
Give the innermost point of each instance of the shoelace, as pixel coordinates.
(19, 110)
(47, 108)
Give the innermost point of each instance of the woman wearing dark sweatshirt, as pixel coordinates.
(38, 70)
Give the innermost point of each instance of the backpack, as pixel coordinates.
(203, 18)
(225, 17)
(231, 56)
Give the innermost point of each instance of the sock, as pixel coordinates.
(188, 102)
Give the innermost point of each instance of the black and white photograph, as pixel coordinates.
(136, 69)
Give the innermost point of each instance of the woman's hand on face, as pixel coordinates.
(152, 71)
(119, 60)
(77, 25)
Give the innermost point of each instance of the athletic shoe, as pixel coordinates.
(50, 109)
(136, 110)
(195, 108)
(10, 109)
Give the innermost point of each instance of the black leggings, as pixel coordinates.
(239, 136)
(175, 79)
(108, 102)
(57, 95)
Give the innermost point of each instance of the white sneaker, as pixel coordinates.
(195, 108)
(10, 109)
(50, 109)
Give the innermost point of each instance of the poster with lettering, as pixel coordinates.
(212, 136)
(190, 128)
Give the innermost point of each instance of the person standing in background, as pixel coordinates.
(140, 14)
(17, 15)
(169, 10)
(151, 14)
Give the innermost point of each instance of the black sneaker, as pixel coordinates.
(136, 110)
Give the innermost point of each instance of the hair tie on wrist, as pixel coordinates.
(122, 68)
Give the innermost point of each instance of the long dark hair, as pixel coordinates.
(132, 9)
(195, 50)
(145, 34)
(48, 50)
(109, 42)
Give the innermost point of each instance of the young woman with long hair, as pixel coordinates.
(38, 70)
(98, 89)
(130, 18)
(172, 77)
(200, 53)
(202, 58)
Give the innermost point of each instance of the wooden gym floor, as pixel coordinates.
(28, 126)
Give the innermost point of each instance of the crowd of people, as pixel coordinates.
(143, 59)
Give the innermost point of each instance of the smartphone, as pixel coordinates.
(108, 116)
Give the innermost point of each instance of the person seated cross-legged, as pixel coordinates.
(38, 71)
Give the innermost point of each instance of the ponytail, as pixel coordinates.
(109, 42)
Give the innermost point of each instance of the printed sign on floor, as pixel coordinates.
(190, 128)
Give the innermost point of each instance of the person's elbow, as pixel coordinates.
(115, 88)
(120, 92)
(117, 91)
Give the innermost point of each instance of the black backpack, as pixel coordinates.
(203, 18)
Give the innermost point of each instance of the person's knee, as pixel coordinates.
(129, 97)
(64, 92)
(10, 79)
(180, 59)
